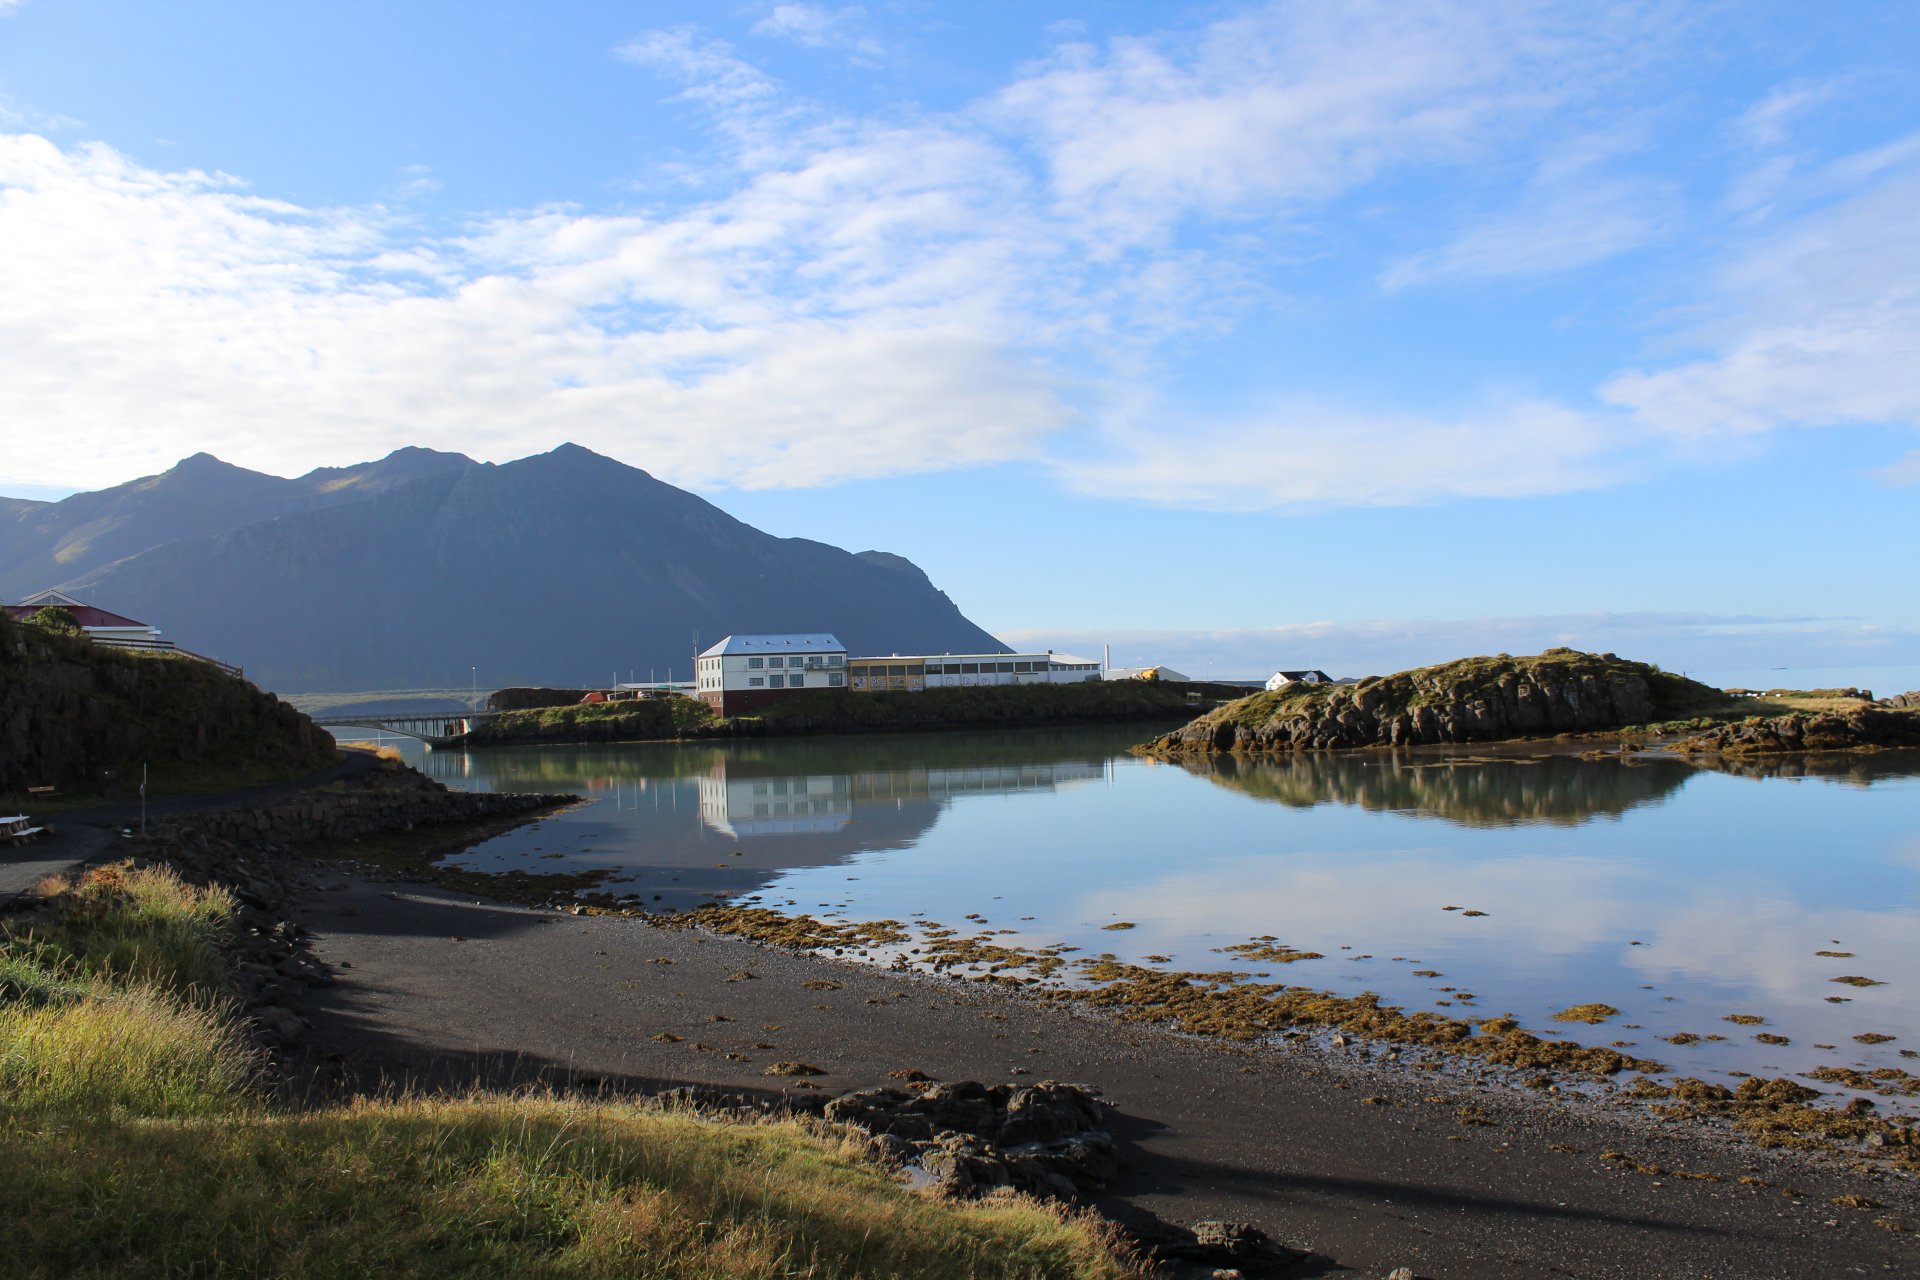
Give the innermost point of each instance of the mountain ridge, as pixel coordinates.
(559, 568)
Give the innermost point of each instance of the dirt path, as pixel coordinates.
(1363, 1161)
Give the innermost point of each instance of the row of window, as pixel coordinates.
(958, 668)
(835, 679)
(811, 661)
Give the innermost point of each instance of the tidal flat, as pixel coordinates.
(1742, 926)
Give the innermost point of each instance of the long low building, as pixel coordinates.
(963, 670)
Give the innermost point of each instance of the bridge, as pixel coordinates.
(436, 729)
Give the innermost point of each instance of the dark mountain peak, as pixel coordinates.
(203, 468)
(579, 458)
(892, 563)
(403, 466)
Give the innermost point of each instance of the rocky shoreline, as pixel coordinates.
(1865, 728)
(964, 1134)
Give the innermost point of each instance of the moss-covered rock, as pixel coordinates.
(70, 708)
(1485, 699)
(1865, 727)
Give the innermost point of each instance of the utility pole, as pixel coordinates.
(143, 799)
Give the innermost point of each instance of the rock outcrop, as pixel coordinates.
(1864, 727)
(970, 1138)
(1471, 700)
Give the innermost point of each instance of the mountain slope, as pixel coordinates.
(49, 544)
(560, 568)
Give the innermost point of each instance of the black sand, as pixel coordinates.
(1359, 1158)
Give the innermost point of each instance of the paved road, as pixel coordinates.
(91, 833)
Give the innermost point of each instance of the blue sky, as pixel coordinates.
(1238, 335)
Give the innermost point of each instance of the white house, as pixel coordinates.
(744, 673)
(1281, 679)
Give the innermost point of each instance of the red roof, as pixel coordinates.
(86, 615)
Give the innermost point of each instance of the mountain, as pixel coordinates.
(48, 543)
(562, 568)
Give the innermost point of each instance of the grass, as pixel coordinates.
(491, 1186)
(136, 1141)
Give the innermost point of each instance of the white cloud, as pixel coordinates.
(853, 298)
(1291, 105)
(1814, 325)
(774, 339)
(1302, 454)
(1768, 122)
(1572, 214)
(1905, 471)
(818, 27)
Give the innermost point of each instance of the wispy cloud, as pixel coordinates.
(816, 26)
(1677, 641)
(1303, 455)
(1768, 122)
(1573, 213)
(1813, 325)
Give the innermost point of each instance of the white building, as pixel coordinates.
(965, 670)
(1281, 679)
(744, 673)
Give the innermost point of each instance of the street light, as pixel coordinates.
(473, 690)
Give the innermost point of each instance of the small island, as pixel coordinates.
(1561, 691)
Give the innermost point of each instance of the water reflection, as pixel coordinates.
(1470, 791)
(666, 814)
(1677, 893)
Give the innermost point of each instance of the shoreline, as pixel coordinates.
(1348, 1151)
(1351, 1150)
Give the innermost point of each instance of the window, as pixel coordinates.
(756, 663)
(1023, 666)
(813, 662)
(969, 668)
(776, 682)
(897, 669)
(836, 660)
(796, 681)
(836, 678)
(1007, 667)
(756, 682)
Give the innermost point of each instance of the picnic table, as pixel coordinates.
(14, 828)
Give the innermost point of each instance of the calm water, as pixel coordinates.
(1679, 895)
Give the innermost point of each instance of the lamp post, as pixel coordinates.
(473, 688)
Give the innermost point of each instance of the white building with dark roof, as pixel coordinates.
(744, 673)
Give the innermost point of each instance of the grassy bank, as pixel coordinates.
(140, 1142)
(831, 711)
